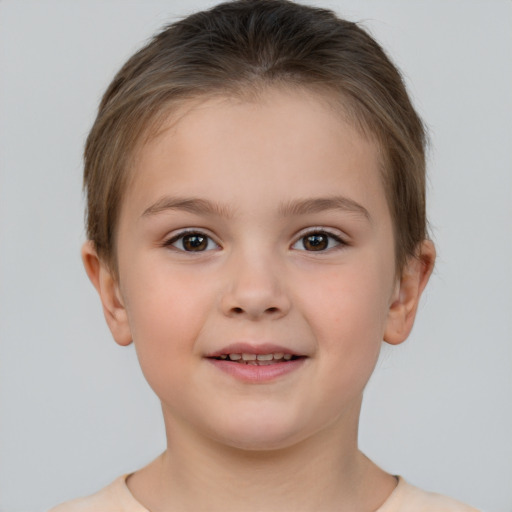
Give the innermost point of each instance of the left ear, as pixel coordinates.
(404, 305)
(107, 286)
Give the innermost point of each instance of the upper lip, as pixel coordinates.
(250, 348)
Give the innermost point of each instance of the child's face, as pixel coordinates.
(256, 228)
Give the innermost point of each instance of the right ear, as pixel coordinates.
(107, 286)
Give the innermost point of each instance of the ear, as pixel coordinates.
(107, 286)
(406, 297)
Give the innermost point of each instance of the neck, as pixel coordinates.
(324, 472)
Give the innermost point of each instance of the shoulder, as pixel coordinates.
(114, 498)
(406, 497)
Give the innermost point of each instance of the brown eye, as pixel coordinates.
(193, 242)
(316, 242)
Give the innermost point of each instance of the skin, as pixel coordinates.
(241, 166)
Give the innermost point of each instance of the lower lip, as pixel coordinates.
(257, 374)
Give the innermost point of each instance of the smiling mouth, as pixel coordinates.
(257, 359)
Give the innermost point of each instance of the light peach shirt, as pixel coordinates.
(116, 497)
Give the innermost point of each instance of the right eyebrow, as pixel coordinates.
(191, 205)
(320, 204)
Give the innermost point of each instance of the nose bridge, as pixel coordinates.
(255, 285)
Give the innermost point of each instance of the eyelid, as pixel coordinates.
(337, 235)
(173, 237)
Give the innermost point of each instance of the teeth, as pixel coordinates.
(265, 357)
(257, 359)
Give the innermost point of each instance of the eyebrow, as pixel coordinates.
(296, 207)
(192, 205)
(320, 204)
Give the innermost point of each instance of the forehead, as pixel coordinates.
(280, 138)
(282, 105)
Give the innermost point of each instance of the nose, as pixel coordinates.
(255, 290)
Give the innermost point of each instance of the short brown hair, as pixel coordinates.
(242, 46)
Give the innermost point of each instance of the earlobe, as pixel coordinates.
(107, 286)
(414, 278)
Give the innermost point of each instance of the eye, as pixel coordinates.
(317, 241)
(192, 241)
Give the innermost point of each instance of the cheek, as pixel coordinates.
(166, 316)
(347, 305)
(346, 311)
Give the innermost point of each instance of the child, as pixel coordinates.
(256, 219)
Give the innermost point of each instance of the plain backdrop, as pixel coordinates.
(75, 410)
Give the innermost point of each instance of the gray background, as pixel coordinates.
(75, 410)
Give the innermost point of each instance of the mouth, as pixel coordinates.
(256, 363)
(258, 359)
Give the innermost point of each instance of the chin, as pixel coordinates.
(258, 435)
(259, 444)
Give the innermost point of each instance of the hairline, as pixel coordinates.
(170, 112)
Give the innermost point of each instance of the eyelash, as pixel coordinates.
(208, 240)
(190, 233)
(338, 241)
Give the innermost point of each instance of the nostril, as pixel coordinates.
(238, 310)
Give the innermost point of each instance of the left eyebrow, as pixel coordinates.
(188, 204)
(320, 204)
